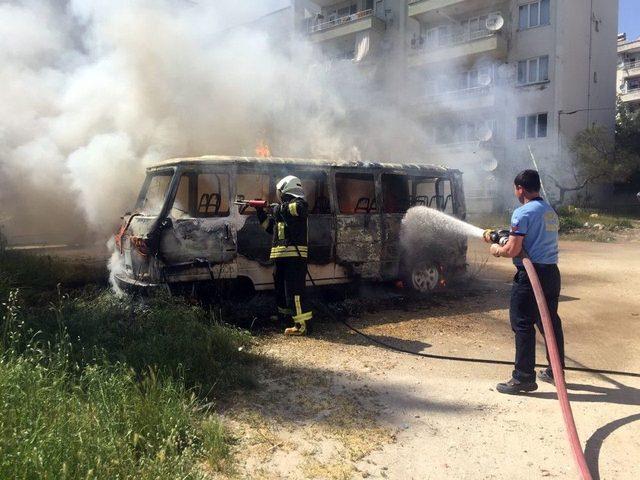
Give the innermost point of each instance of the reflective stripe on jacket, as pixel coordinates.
(288, 225)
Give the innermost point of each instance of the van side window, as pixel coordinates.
(395, 193)
(316, 192)
(156, 190)
(356, 193)
(212, 195)
(180, 207)
(253, 186)
(432, 192)
(423, 192)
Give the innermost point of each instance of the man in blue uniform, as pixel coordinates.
(534, 231)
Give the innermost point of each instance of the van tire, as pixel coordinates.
(422, 277)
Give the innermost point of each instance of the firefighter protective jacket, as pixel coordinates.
(288, 225)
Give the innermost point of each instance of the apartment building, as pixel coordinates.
(628, 78)
(493, 83)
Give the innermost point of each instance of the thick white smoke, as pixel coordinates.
(94, 90)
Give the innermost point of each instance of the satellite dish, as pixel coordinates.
(484, 79)
(494, 22)
(484, 133)
(506, 71)
(489, 164)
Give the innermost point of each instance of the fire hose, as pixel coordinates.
(556, 367)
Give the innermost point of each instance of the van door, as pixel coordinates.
(358, 219)
(253, 183)
(395, 203)
(200, 226)
(320, 221)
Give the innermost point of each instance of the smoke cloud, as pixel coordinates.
(94, 91)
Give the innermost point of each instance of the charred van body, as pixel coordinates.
(187, 226)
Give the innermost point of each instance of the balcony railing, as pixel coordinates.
(629, 65)
(454, 38)
(319, 27)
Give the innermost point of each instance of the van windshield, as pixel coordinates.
(154, 192)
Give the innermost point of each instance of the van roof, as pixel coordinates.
(213, 159)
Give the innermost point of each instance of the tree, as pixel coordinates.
(600, 157)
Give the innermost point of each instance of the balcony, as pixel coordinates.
(630, 69)
(629, 47)
(475, 98)
(468, 45)
(347, 25)
(630, 95)
(430, 11)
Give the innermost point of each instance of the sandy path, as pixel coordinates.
(333, 406)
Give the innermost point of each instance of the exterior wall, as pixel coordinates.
(580, 42)
(628, 71)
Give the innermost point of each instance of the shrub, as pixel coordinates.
(568, 223)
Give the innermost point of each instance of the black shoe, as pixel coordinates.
(546, 376)
(513, 387)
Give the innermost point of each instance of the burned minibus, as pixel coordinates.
(189, 225)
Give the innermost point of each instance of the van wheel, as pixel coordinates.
(424, 277)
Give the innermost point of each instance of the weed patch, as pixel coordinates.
(98, 386)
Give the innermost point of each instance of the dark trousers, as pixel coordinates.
(524, 314)
(290, 283)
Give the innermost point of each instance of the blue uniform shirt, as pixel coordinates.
(538, 223)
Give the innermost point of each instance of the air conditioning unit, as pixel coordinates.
(495, 22)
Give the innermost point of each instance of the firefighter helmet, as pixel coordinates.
(289, 185)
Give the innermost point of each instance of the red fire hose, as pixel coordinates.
(556, 367)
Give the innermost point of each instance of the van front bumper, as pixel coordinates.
(130, 284)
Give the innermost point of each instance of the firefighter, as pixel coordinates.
(288, 225)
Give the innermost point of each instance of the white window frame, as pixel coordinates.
(538, 20)
(528, 66)
(525, 119)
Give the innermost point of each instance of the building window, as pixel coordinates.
(535, 14)
(532, 126)
(534, 70)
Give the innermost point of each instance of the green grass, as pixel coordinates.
(102, 423)
(96, 386)
(580, 224)
(572, 224)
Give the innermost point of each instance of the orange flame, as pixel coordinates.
(262, 149)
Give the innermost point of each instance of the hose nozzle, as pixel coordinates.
(496, 236)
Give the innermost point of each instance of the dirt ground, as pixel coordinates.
(334, 406)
